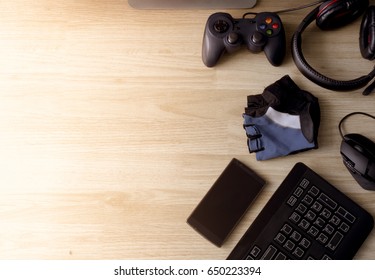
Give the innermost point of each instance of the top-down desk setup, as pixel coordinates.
(113, 129)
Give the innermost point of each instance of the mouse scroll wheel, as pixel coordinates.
(358, 148)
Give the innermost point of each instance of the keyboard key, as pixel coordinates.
(310, 215)
(255, 251)
(314, 191)
(280, 256)
(296, 236)
(287, 229)
(298, 252)
(344, 227)
(269, 253)
(319, 222)
(301, 208)
(291, 201)
(335, 241)
(304, 183)
(304, 224)
(280, 238)
(313, 231)
(326, 258)
(327, 201)
(335, 220)
(350, 217)
(295, 217)
(325, 213)
(329, 229)
(317, 206)
(289, 245)
(322, 238)
(308, 200)
(298, 192)
(341, 211)
(305, 243)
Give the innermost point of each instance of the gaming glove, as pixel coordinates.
(282, 120)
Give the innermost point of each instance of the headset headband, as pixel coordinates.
(314, 75)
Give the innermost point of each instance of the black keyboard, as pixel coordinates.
(306, 218)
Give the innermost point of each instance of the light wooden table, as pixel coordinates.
(112, 129)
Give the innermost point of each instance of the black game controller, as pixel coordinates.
(264, 32)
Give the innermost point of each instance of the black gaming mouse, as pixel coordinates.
(358, 153)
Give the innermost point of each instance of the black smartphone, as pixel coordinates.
(226, 202)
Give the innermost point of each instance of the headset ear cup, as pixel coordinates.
(313, 75)
(326, 10)
(367, 34)
(336, 13)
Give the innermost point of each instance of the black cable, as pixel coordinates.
(300, 7)
(349, 115)
(290, 9)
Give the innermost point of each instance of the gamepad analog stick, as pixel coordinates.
(233, 38)
(257, 42)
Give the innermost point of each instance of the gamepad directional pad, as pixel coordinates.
(223, 33)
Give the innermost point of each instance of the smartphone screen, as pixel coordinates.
(226, 202)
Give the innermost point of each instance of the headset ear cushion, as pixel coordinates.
(367, 34)
(326, 11)
(336, 13)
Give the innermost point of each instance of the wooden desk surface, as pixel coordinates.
(112, 129)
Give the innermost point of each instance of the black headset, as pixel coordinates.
(329, 15)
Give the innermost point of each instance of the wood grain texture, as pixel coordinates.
(112, 129)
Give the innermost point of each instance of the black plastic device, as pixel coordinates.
(223, 33)
(330, 15)
(226, 202)
(358, 155)
(306, 218)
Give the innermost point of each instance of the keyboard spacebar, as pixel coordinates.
(269, 253)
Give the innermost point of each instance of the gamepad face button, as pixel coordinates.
(268, 20)
(269, 32)
(262, 26)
